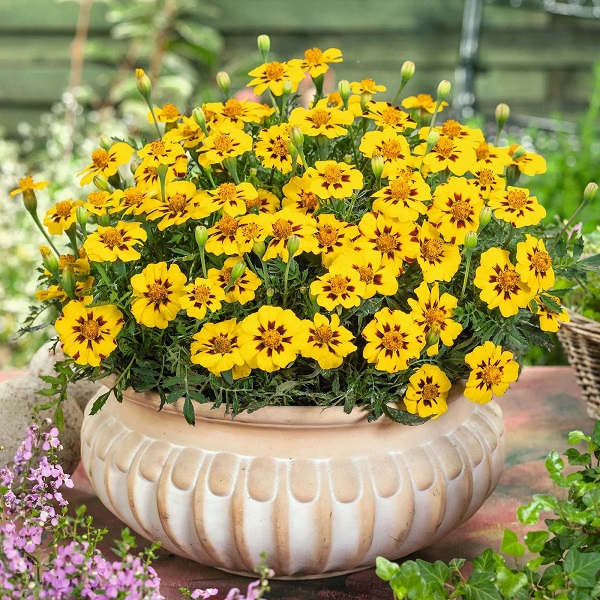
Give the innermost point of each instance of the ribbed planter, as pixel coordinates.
(321, 492)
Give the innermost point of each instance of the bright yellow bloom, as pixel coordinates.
(334, 180)
(391, 146)
(251, 229)
(490, 157)
(79, 265)
(282, 226)
(515, 206)
(236, 112)
(427, 392)
(486, 181)
(169, 113)
(500, 284)
(453, 154)
(157, 293)
(438, 260)
(297, 194)
(392, 340)
(264, 202)
(326, 341)
(316, 61)
(61, 216)
(87, 334)
(272, 75)
(222, 237)
(56, 291)
(492, 371)
(530, 163)
(271, 338)
(108, 244)
(188, 132)
(333, 237)
(343, 288)
(131, 200)
(322, 120)
(385, 115)
(455, 209)
(456, 131)
(243, 289)
(216, 347)
(225, 142)
(366, 86)
(534, 264)
(181, 202)
(229, 197)
(423, 102)
(549, 320)
(273, 148)
(106, 162)
(433, 314)
(26, 184)
(201, 296)
(161, 152)
(146, 175)
(98, 202)
(403, 197)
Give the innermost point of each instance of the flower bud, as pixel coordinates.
(365, 98)
(264, 45)
(30, 201)
(443, 89)
(518, 152)
(201, 235)
(103, 220)
(344, 90)
(502, 114)
(45, 251)
(68, 281)
(590, 192)
(81, 213)
(224, 82)
(348, 159)
(293, 244)
(105, 142)
(432, 139)
(133, 166)
(270, 294)
(101, 183)
(288, 86)
(470, 240)
(377, 165)
(407, 70)
(512, 174)
(297, 137)
(485, 216)
(236, 272)
(199, 117)
(432, 337)
(259, 248)
(49, 259)
(144, 85)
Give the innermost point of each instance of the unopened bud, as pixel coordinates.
(344, 90)
(297, 137)
(590, 192)
(270, 294)
(49, 259)
(365, 98)
(68, 281)
(502, 114)
(512, 174)
(201, 235)
(432, 139)
(518, 152)
(105, 142)
(293, 244)
(293, 151)
(133, 166)
(443, 89)
(348, 159)
(259, 248)
(236, 272)
(485, 216)
(432, 337)
(470, 240)
(144, 85)
(199, 117)
(30, 201)
(407, 70)
(103, 220)
(288, 86)
(101, 183)
(224, 82)
(45, 251)
(264, 46)
(377, 164)
(252, 172)
(81, 213)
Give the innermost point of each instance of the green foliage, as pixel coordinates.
(566, 554)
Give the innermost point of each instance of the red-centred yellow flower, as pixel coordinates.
(326, 341)
(98, 202)
(403, 197)
(438, 260)
(391, 146)
(79, 265)
(322, 120)
(157, 293)
(273, 148)
(455, 131)
(490, 157)
(529, 163)
(423, 102)
(188, 133)
(108, 244)
(515, 206)
(534, 264)
(222, 237)
(237, 112)
(87, 334)
(333, 237)
(385, 115)
(61, 216)
(486, 181)
(342, 288)
(162, 152)
(56, 291)
(492, 371)
(433, 313)
(106, 162)
(455, 209)
(201, 296)
(131, 200)
(271, 76)
(264, 202)
(26, 184)
(453, 154)
(298, 195)
(169, 113)
(316, 61)
(225, 142)
(369, 265)
(331, 179)
(216, 347)
(251, 229)
(427, 392)
(282, 226)
(270, 339)
(392, 340)
(243, 289)
(181, 203)
(550, 320)
(229, 197)
(146, 175)
(500, 284)
(366, 86)
(397, 241)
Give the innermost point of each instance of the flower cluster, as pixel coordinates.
(347, 251)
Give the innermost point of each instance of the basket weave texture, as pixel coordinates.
(581, 341)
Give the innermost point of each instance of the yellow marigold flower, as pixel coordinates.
(56, 291)
(229, 197)
(534, 264)
(385, 115)
(342, 288)
(106, 162)
(297, 194)
(284, 224)
(157, 293)
(402, 198)
(216, 347)
(433, 313)
(26, 184)
(271, 338)
(369, 265)
(391, 146)
(161, 152)
(222, 237)
(181, 202)
(549, 320)
(98, 202)
(80, 265)
(188, 132)
(322, 120)
(366, 86)
(438, 260)
(486, 181)
(490, 157)
(236, 112)
(251, 229)
(201, 296)
(272, 75)
(108, 244)
(456, 131)
(500, 284)
(423, 102)
(87, 334)
(316, 61)
(225, 142)
(61, 216)
(398, 242)
(243, 289)
(169, 113)
(264, 202)
(455, 209)
(146, 175)
(326, 341)
(334, 180)
(333, 237)
(392, 340)
(492, 371)
(515, 206)
(131, 200)
(272, 147)
(453, 154)
(427, 392)
(529, 163)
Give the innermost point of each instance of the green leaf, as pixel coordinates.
(509, 583)
(99, 402)
(591, 262)
(436, 573)
(596, 434)
(577, 458)
(188, 411)
(480, 586)
(579, 595)
(487, 561)
(384, 569)
(401, 416)
(535, 540)
(59, 417)
(456, 564)
(511, 545)
(576, 437)
(582, 567)
(555, 465)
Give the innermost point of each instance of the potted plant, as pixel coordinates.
(254, 264)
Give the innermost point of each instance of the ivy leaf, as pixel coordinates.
(582, 567)
(577, 458)
(576, 437)
(530, 513)
(480, 586)
(385, 569)
(511, 545)
(510, 583)
(596, 434)
(436, 573)
(535, 540)
(486, 561)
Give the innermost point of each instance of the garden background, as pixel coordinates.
(67, 76)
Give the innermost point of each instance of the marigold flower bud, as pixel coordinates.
(590, 191)
(30, 201)
(365, 98)
(81, 213)
(443, 89)
(344, 90)
(103, 220)
(377, 165)
(407, 70)
(512, 174)
(264, 45)
(101, 183)
(252, 172)
(45, 251)
(270, 294)
(470, 240)
(519, 151)
(105, 142)
(199, 117)
(133, 166)
(288, 86)
(432, 139)
(224, 82)
(144, 85)
(502, 114)
(201, 235)
(292, 149)
(259, 248)
(68, 281)
(49, 259)
(485, 216)
(297, 137)
(293, 244)
(236, 272)
(348, 159)
(432, 337)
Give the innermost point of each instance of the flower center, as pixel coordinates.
(90, 330)
(486, 177)
(444, 146)
(201, 293)
(100, 158)
(400, 189)
(430, 392)
(132, 197)
(368, 84)
(434, 317)
(308, 200)
(226, 274)
(366, 274)
(517, 199)
(391, 116)
(271, 338)
(233, 108)
(541, 261)
(391, 149)
(228, 225)
(327, 235)
(320, 117)
(491, 375)
(157, 292)
(392, 340)
(111, 237)
(274, 70)
(250, 231)
(332, 174)
(26, 183)
(177, 203)
(323, 334)
(223, 143)
(461, 210)
(157, 148)
(451, 128)
(508, 280)
(431, 249)
(170, 111)
(280, 147)
(483, 151)
(313, 56)
(282, 229)
(97, 199)
(338, 284)
(227, 191)
(386, 243)
(222, 344)
(252, 203)
(63, 209)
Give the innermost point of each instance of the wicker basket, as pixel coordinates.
(581, 340)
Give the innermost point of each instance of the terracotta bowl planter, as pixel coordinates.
(321, 492)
